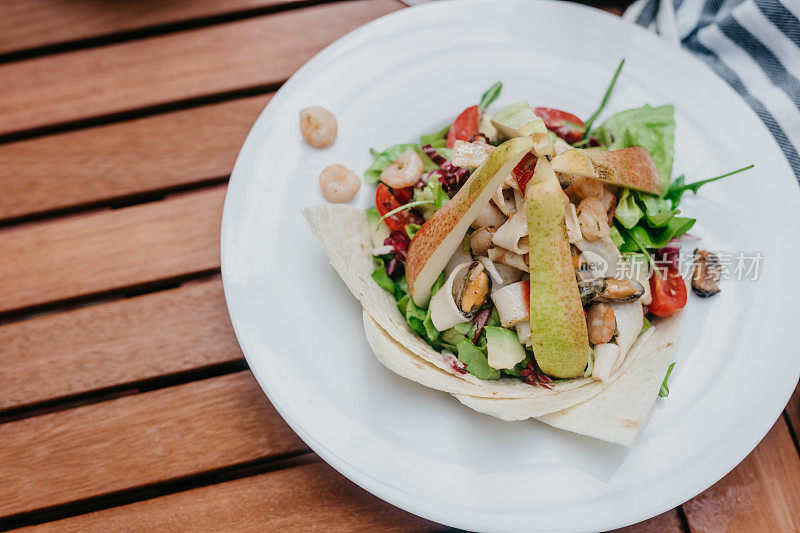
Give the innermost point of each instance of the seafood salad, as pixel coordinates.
(525, 257)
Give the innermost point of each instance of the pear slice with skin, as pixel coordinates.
(519, 120)
(558, 325)
(439, 236)
(628, 167)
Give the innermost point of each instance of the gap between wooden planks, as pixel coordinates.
(99, 164)
(151, 72)
(112, 344)
(302, 498)
(94, 253)
(138, 440)
(26, 24)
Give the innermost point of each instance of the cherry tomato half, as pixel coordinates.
(565, 125)
(465, 127)
(523, 172)
(385, 201)
(669, 292)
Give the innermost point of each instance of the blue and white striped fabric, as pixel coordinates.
(754, 45)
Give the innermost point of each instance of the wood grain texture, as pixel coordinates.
(668, 522)
(96, 252)
(36, 23)
(312, 497)
(106, 345)
(761, 494)
(191, 64)
(138, 440)
(97, 164)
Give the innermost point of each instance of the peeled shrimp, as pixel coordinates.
(318, 126)
(593, 219)
(405, 171)
(600, 323)
(339, 184)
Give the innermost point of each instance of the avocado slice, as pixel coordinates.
(558, 325)
(505, 350)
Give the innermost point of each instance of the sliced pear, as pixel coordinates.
(558, 326)
(439, 237)
(628, 167)
(519, 120)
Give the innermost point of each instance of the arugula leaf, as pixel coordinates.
(664, 391)
(678, 187)
(604, 101)
(490, 96)
(628, 212)
(652, 128)
(435, 139)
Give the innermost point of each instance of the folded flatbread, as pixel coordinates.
(581, 405)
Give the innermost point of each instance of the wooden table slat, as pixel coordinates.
(154, 71)
(103, 251)
(761, 494)
(26, 24)
(303, 498)
(115, 343)
(124, 159)
(138, 440)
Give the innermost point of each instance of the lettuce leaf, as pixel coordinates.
(476, 361)
(437, 139)
(652, 128)
(628, 212)
(432, 192)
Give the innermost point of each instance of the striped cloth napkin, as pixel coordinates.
(754, 45)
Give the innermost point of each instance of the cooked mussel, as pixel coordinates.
(590, 290)
(609, 290)
(706, 273)
(474, 290)
(620, 290)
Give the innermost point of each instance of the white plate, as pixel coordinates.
(300, 329)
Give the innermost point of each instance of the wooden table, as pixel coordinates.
(125, 403)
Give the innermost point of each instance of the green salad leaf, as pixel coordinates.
(652, 128)
(432, 192)
(490, 96)
(604, 101)
(678, 187)
(645, 325)
(382, 278)
(412, 229)
(476, 361)
(642, 238)
(437, 139)
(664, 391)
(628, 212)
